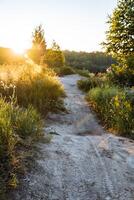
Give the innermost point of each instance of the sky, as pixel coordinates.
(78, 25)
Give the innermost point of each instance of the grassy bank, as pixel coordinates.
(114, 105)
(27, 93)
(17, 126)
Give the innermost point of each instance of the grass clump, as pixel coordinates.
(115, 107)
(92, 82)
(15, 124)
(27, 122)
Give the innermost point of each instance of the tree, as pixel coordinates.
(38, 50)
(54, 56)
(120, 41)
(120, 36)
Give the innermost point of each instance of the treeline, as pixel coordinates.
(94, 61)
(55, 58)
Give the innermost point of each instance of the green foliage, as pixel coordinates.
(7, 139)
(38, 50)
(27, 122)
(122, 75)
(92, 82)
(15, 123)
(94, 62)
(120, 41)
(82, 72)
(115, 108)
(66, 70)
(54, 57)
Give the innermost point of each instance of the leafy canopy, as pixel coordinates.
(120, 36)
(54, 56)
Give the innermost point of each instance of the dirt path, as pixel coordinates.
(82, 162)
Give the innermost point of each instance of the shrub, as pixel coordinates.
(15, 123)
(115, 108)
(122, 75)
(7, 135)
(27, 122)
(66, 70)
(54, 57)
(92, 82)
(83, 72)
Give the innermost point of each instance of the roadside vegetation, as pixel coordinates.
(92, 81)
(65, 70)
(111, 94)
(29, 90)
(33, 85)
(115, 106)
(17, 126)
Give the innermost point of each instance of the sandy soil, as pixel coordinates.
(82, 162)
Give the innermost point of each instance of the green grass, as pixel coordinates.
(91, 82)
(15, 123)
(115, 108)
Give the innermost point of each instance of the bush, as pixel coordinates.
(122, 75)
(62, 71)
(83, 72)
(27, 122)
(33, 85)
(92, 82)
(15, 123)
(115, 107)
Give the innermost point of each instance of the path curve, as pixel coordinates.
(82, 162)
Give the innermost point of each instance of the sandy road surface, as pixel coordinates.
(82, 162)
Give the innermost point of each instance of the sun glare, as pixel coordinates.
(19, 50)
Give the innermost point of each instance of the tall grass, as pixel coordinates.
(115, 107)
(15, 123)
(33, 85)
(91, 82)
